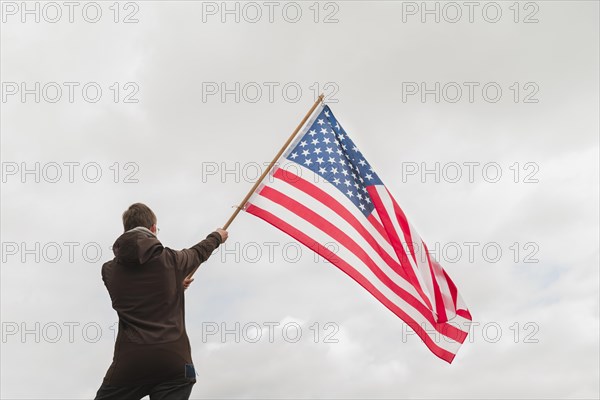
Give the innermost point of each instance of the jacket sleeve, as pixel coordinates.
(187, 260)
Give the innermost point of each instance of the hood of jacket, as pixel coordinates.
(136, 246)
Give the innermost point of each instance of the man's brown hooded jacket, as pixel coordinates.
(145, 283)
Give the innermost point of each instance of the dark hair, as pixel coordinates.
(138, 214)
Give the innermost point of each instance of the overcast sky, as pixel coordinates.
(484, 126)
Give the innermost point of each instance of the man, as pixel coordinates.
(146, 282)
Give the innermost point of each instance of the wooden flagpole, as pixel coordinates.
(279, 153)
(268, 169)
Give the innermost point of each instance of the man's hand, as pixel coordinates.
(187, 282)
(224, 234)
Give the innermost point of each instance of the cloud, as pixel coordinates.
(192, 155)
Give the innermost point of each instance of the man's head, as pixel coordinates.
(139, 214)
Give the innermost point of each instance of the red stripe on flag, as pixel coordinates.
(403, 225)
(377, 225)
(453, 290)
(464, 313)
(395, 239)
(439, 301)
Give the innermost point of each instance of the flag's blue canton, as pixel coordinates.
(327, 150)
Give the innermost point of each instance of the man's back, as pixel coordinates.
(145, 283)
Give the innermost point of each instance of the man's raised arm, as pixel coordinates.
(187, 260)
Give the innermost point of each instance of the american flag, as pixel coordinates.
(324, 191)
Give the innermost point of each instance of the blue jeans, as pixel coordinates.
(179, 389)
